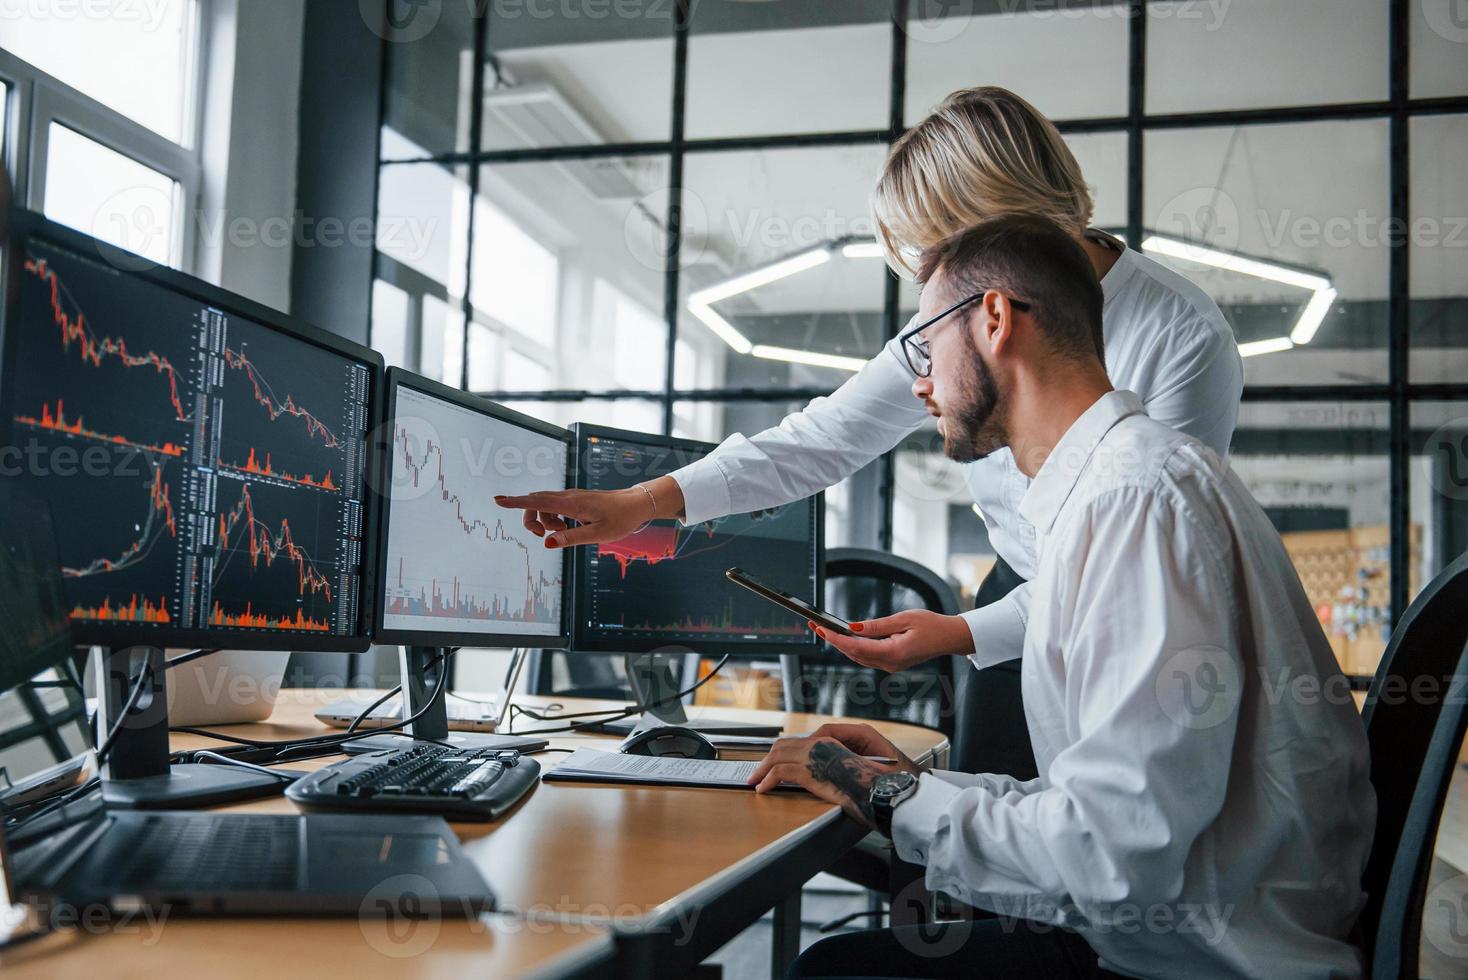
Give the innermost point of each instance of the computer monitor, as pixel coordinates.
(205, 456)
(45, 744)
(457, 570)
(664, 585)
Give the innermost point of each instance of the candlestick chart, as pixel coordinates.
(665, 583)
(205, 469)
(456, 562)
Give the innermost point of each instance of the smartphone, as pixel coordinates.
(800, 607)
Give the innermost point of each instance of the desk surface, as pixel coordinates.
(571, 862)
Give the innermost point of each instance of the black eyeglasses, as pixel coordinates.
(916, 350)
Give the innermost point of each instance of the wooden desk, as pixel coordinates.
(491, 946)
(670, 873)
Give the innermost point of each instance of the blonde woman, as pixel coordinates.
(981, 153)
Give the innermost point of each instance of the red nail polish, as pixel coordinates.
(857, 627)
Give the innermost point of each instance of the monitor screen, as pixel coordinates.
(458, 569)
(45, 740)
(203, 457)
(664, 585)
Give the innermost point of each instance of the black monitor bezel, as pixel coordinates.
(398, 378)
(581, 643)
(25, 225)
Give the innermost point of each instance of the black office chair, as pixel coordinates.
(863, 583)
(1414, 753)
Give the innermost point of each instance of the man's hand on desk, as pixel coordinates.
(902, 640)
(833, 764)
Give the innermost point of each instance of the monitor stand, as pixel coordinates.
(419, 681)
(651, 678)
(137, 774)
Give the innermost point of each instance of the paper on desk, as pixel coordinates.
(592, 765)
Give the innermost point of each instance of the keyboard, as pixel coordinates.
(481, 784)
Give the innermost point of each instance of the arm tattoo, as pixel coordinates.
(848, 772)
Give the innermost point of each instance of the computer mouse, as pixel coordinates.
(670, 740)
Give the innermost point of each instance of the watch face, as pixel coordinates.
(892, 784)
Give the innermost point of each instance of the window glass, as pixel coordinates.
(1068, 62)
(934, 522)
(102, 193)
(423, 220)
(515, 277)
(137, 58)
(639, 339)
(1438, 236)
(391, 310)
(853, 506)
(1248, 54)
(788, 67)
(573, 76)
(1439, 488)
(430, 70)
(487, 359)
(441, 344)
(1297, 263)
(1319, 470)
(781, 286)
(1439, 42)
(569, 266)
(636, 414)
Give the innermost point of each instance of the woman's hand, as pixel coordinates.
(603, 515)
(903, 640)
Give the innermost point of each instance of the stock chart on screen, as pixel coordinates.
(456, 563)
(205, 469)
(665, 584)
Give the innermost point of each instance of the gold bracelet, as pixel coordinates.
(652, 500)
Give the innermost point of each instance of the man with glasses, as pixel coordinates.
(1196, 814)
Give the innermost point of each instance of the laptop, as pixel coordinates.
(60, 845)
(181, 863)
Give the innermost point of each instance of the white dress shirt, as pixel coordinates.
(1203, 808)
(1164, 339)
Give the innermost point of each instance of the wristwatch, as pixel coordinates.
(889, 790)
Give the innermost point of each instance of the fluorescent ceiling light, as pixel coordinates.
(1272, 346)
(1312, 316)
(761, 277)
(861, 250)
(722, 328)
(810, 357)
(1233, 263)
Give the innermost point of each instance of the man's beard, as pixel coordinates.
(974, 428)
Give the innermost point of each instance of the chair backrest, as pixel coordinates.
(868, 563)
(1415, 716)
(862, 583)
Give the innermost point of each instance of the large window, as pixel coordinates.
(101, 118)
(637, 195)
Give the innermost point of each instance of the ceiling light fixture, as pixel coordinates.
(762, 276)
(722, 328)
(1323, 293)
(1271, 346)
(861, 250)
(810, 357)
(1312, 316)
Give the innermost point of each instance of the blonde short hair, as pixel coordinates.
(982, 152)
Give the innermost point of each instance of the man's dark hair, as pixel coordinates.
(1032, 259)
